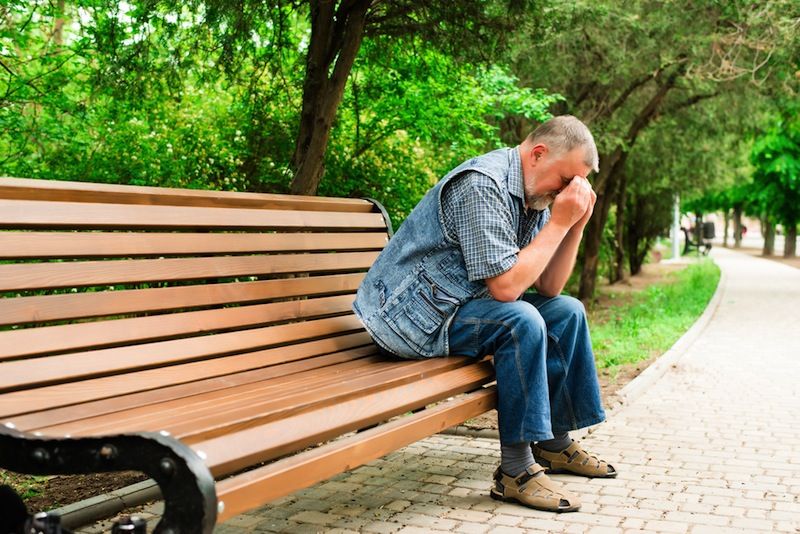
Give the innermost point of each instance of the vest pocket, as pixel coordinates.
(419, 315)
(424, 313)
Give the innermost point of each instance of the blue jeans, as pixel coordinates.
(546, 376)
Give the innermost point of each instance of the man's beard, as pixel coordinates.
(540, 202)
(534, 201)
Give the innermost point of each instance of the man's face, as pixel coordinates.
(551, 173)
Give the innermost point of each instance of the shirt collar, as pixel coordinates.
(515, 186)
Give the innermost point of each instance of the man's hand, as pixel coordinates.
(581, 224)
(571, 205)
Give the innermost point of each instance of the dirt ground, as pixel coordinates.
(62, 490)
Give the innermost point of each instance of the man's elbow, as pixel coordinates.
(502, 292)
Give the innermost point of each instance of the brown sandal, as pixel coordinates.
(534, 489)
(573, 460)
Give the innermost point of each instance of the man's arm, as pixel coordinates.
(554, 277)
(548, 260)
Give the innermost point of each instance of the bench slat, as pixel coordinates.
(283, 477)
(58, 190)
(82, 336)
(326, 389)
(32, 276)
(34, 214)
(119, 392)
(265, 399)
(260, 443)
(79, 365)
(21, 245)
(46, 308)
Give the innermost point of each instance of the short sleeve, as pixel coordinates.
(477, 215)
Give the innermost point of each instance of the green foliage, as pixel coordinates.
(152, 94)
(655, 319)
(410, 114)
(776, 159)
(207, 93)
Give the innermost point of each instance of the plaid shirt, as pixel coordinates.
(478, 216)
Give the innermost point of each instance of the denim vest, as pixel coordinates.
(410, 295)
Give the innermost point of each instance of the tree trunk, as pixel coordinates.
(605, 184)
(727, 223)
(769, 237)
(635, 235)
(593, 236)
(698, 227)
(737, 227)
(58, 27)
(336, 36)
(790, 247)
(619, 233)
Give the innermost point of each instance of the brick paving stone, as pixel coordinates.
(607, 530)
(419, 530)
(273, 525)
(589, 519)
(705, 529)
(632, 512)
(459, 492)
(632, 523)
(505, 520)
(697, 518)
(381, 527)
(504, 530)
(425, 521)
(472, 528)
(469, 515)
(666, 526)
(752, 524)
(315, 518)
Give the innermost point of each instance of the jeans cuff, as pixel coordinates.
(583, 423)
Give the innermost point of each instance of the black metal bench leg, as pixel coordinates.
(190, 501)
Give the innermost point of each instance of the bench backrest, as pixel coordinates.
(112, 290)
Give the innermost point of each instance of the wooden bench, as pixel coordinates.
(703, 246)
(205, 339)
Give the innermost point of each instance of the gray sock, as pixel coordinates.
(559, 442)
(515, 458)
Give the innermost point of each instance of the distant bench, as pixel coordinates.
(206, 339)
(702, 245)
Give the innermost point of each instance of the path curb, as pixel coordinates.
(94, 509)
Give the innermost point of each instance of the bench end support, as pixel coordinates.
(190, 501)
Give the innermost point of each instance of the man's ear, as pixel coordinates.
(537, 152)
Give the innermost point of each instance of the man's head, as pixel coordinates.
(552, 155)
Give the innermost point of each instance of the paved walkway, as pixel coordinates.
(713, 446)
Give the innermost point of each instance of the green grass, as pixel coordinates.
(27, 486)
(654, 319)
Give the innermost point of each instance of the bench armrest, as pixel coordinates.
(190, 501)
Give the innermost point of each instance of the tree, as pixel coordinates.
(337, 30)
(636, 63)
(776, 158)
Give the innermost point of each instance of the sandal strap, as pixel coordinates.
(574, 459)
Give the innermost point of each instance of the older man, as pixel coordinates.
(453, 280)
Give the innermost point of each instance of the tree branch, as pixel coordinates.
(689, 102)
(7, 69)
(629, 90)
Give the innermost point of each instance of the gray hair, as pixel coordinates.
(564, 133)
